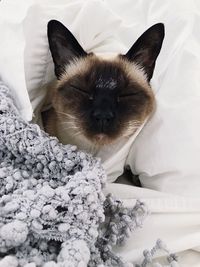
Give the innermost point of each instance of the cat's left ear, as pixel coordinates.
(146, 49)
(63, 46)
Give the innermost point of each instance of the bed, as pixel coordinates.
(165, 152)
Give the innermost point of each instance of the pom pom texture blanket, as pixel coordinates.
(53, 212)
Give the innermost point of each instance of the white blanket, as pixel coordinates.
(165, 155)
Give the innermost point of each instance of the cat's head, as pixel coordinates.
(103, 98)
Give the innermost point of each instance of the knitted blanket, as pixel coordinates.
(53, 212)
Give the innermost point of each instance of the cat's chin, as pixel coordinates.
(102, 139)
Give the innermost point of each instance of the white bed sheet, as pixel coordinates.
(173, 219)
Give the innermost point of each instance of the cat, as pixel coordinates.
(99, 100)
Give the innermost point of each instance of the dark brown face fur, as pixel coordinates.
(100, 99)
(103, 101)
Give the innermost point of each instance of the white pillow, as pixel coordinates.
(166, 153)
(11, 52)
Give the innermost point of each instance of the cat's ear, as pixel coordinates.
(63, 46)
(146, 49)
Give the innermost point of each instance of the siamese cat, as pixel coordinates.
(98, 100)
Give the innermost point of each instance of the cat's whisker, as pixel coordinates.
(72, 122)
(70, 126)
(75, 128)
(66, 114)
(68, 122)
(78, 133)
(75, 131)
(131, 128)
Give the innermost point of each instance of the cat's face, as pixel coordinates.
(103, 99)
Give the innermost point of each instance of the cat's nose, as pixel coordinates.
(103, 117)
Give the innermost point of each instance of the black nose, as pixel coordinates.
(103, 115)
(103, 118)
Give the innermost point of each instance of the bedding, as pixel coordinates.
(166, 151)
(52, 201)
(53, 210)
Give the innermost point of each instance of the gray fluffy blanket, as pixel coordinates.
(53, 212)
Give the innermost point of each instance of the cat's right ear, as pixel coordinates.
(63, 46)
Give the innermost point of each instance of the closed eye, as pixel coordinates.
(79, 89)
(128, 95)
